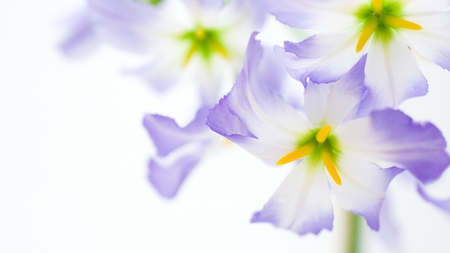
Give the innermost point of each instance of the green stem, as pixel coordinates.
(353, 234)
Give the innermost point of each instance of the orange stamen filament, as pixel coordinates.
(328, 162)
(322, 135)
(298, 153)
(397, 22)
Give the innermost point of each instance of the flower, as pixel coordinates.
(386, 30)
(193, 41)
(180, 149)
(354, 158)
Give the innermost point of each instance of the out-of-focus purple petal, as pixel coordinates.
(391, 137)
(122, 22)
(167, 179)
(81, 38)
(443, 204)
(167, 135)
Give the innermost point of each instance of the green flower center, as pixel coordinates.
(320, 146)
(380, 19)
(152, 2)
(205, 42)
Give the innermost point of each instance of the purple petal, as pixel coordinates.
(167, 135)
(323, 57)
(81, 39)
(443, 204)
(167, 179)
(391, 137)
(223, 122)
(123, 22)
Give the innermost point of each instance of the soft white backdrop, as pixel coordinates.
(73, 157)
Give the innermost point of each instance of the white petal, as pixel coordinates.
(302, 202)
(363, 188)
(433, 40)
(392, 75)
(330, 104)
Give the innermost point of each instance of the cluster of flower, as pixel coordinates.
(347, 138)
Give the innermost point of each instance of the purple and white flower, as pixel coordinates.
(194, 41)
(353, 158)
(387, 31)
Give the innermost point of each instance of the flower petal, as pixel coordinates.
(266, 115)
(389, 137)
(330, 104)
(323, 57)
(392, 76)
(325, 15)
(443, 204)
(432, 41)
(363, 188)
(82, 38)
(302, 202)
(168, 136)
(167, 176)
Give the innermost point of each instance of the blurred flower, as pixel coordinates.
(355, 159)
(385, 30)
(201, 41)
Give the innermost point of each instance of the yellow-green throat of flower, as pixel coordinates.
(321, 146)
(205, 42)
(380, 18)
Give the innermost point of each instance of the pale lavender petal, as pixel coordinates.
(167, 135)
(389, 137)
(302, 202)
(332, 103)
(263, 112)
(323, 58)
(274, 124)
(81, 38)
(123, 22)
(363, 187)
(443, 204)
(167, 179)
(323, 15)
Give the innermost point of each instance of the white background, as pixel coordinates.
(73, 157)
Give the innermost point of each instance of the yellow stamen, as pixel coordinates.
(298, 153)
(220, 50)
(377, 5)
(322, 135)
(189, 55)
(397, 22)
(200, 34)
(371, 26)
(227, 143)
(328, 161)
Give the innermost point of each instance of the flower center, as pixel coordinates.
(381, 19)
(205, 42)
(152, 2)
(319, 145)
